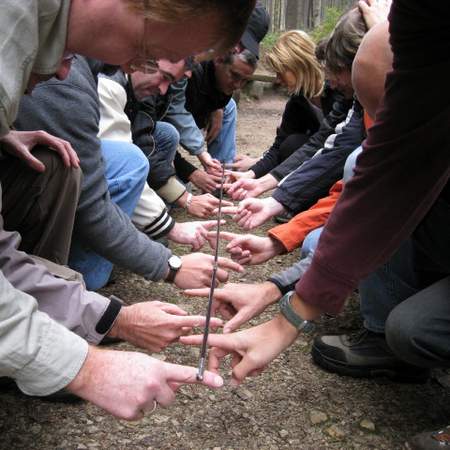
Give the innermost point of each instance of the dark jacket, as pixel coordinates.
(313, 179)
(334, 117)
(299, 117)
(202, 95)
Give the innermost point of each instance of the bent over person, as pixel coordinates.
(38, 353)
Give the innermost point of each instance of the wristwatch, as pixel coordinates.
(305, 326)
(174, 263)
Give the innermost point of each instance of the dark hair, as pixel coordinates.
(321, 48)
(245, 55)
(344, 41)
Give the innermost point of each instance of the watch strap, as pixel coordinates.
(293, 317)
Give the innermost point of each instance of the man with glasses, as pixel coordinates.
(41, 355)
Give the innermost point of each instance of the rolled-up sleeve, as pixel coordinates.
(40, 354)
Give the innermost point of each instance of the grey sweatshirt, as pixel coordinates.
(69, 109)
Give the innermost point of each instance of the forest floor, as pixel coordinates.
(292, 405)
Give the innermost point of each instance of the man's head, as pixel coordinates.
(234, 70)
(371, 64)
(293, 59)
(157, 83)
(122, 31)
(341, 49)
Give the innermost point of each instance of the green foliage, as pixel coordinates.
(269, 40)
(330, 19)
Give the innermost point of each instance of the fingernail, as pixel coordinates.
(218, 381)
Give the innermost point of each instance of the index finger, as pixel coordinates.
(226, 263)
(232, 210)
(226, 235)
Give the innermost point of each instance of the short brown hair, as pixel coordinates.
(344, 41)
(295, 51)
(233, 15)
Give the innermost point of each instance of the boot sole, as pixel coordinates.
(334, 366)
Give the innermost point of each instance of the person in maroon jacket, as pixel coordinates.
(390, 227)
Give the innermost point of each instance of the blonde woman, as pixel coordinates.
(294, 61)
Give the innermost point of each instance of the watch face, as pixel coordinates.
(174, 262)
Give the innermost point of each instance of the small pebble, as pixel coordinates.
(283, 433)
(317, 417)
(366, 424)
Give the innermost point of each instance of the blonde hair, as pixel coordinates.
(295, 51)
(232, 14)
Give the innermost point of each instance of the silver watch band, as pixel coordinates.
(305, 326)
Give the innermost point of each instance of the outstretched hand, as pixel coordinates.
(244, 188)
(196, 270)
(248, 248)
(251, 349)
(155, 325)
(205, 205)
(239, 302)
(127, 384)
(253, 212)
(194, 234)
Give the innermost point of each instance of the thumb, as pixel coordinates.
(31, 161)
(235, 322)
(243, 369)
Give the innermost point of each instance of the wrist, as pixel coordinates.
(188, 201)
(286, 332)
(268, 182)
(306, 311)
(117, 330)
(276, 246)
(82, 380)
(271, 294)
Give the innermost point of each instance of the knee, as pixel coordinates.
(137, 161)
(230, 110)
(310, 243)
(57, 171)
(168, 135)
(407, 336)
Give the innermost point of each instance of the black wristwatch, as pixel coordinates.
(174, 264)
(305, 326)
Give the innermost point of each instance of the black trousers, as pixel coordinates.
(40, 206)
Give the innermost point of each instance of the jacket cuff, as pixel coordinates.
(282, 235)
(60, 358)
(172, 190)
(160, 226)
(323, 289)
(109, 316)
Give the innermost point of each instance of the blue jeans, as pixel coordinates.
(310, 242)
(166, 139)
(223, 148)
(126, 169)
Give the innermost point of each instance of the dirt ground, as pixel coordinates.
(292, 405)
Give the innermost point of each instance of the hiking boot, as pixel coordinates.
(431, 440)
(363, 355)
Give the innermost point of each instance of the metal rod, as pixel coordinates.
(201, 364)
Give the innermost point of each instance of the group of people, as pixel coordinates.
(97, 97)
